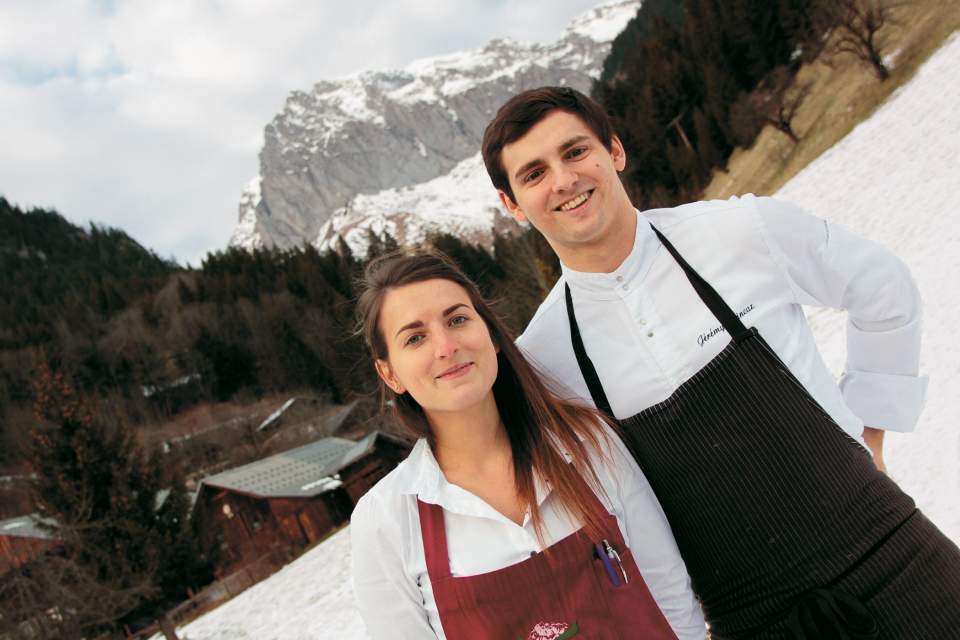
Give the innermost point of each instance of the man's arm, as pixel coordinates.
(830, 266)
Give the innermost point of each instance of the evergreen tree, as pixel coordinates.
(97, 492)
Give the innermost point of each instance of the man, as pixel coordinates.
(686, 324)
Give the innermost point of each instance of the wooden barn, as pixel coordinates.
(293, 498)
(21, 540)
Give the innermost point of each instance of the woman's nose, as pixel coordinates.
(444, 344)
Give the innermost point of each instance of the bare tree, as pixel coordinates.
(774, 102)
(58, 596)
(855, 25)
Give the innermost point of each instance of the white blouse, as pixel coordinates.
(389, 569)
(647, 331)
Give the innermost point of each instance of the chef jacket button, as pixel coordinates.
(650, 335)
(625, 287)
(619, 278)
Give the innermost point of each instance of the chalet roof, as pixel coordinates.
(298, 473)
(27, 526)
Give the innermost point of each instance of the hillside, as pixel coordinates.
(54, 269)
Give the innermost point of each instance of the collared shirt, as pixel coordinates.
(389, 569)
(647, 331)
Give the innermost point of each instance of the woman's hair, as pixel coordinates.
(539, 425)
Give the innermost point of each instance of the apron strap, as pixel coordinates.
(721, 311)
(586, 365)
(434, 536)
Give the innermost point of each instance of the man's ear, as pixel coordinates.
(386, 374)
(511, 206)
(618, 154)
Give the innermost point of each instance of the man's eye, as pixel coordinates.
(576, 152)
(533, 175)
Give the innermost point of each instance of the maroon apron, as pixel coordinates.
(574, 588)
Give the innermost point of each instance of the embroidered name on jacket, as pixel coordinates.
(705, 337)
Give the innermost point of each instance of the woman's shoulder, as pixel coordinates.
(391, 497)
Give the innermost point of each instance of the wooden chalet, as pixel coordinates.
(21, 540)
(293, 498)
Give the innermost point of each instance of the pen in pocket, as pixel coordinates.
(608, 555)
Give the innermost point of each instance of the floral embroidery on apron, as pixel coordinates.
(553, 631)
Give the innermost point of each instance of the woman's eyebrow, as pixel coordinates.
(450, 310)
(416, 324)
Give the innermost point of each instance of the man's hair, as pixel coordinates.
(524, 110)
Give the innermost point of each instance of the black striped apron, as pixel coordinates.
(787, 528)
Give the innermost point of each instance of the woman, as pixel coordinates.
(514, 515)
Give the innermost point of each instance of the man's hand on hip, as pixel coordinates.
(873, 438)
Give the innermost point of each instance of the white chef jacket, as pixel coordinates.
(390, 577)
(647, 331)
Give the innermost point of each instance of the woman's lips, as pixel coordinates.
(455, 371)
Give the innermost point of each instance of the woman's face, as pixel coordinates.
(438, 347)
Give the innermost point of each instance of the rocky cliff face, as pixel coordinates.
(366, 151)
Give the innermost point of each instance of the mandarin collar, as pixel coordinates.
(634, 267)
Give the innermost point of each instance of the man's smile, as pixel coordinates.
(573, 203)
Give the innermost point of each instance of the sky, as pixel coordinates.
(148, 116)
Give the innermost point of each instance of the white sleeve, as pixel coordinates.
(650, 539)
(389, 600)
(829, 266)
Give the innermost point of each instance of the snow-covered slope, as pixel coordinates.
(895, 179)
(379, 133)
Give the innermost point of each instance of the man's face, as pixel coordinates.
(565, 184)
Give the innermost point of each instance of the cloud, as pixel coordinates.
(149, 115)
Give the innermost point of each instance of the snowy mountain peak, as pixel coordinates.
(345, 148)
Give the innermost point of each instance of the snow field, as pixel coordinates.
(895, 179)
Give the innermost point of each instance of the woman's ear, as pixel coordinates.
(386, 374)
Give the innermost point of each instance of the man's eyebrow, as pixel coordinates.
(572, 141)
(530, 165)
(416, 324)
(537, 161)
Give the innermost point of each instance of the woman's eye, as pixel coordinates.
(457, 320)
(414, 339)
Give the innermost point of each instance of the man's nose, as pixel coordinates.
(564, 178)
